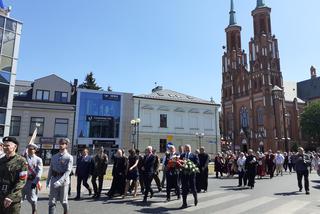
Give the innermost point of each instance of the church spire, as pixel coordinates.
(260, 3)
(232, 20)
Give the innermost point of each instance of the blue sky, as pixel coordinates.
(131, 44)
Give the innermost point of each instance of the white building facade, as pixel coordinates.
(170, 117)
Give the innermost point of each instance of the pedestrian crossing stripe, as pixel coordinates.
(208, 194)
(247, 205)
(289, 207)
(217, 201)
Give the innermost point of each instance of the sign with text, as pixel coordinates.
(98, 118)
(113, 97)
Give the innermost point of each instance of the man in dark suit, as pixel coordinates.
(83, 170)
(188, 180)
(202, 181)
(148, 172)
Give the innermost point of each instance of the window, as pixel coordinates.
(11, 25)
(260, 116)
(163, 121)
(61, 128)
(4, 90)
(2, 116)
(1, 130)
(36, 122)
(4, 77)
(5, 63)
(15, 126)
(244, 117)
(42, 95)
(163, 145)
(61, 96)
(8, 43)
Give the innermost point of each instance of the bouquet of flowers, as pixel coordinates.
(189, 168)
(174, 163)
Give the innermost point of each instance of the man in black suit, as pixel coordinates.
(148, 172)
(189, 180)
(202, 181)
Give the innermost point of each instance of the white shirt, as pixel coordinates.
(279, 159)
(241, 163)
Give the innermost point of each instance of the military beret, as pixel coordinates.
(10, 139)
(32, 145)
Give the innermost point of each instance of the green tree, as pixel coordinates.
(90, 83)
(310, 121)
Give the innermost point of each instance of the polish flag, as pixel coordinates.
(23, 175)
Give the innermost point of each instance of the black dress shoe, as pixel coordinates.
(307, 193)
(195, 201)
(151, 194)
(184, 206)
(300, 189)
(77, 198)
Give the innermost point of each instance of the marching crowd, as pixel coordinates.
(20, 175)
(184, 172)
(251, 165)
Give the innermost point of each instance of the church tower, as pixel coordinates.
(253, 103)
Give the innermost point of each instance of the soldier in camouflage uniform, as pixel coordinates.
(58, 177)
(35, 168)
(13, 175)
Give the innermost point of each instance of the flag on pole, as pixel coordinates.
(34, 135)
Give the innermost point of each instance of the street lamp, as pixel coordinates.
(200, 136)
(134, 124)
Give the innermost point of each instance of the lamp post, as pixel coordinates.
(134, 124)
(200, 136)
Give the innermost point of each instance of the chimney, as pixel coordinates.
(313, 72)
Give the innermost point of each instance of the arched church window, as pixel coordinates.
(260, 114)
(244, 117)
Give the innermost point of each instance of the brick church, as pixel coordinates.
(257, 110)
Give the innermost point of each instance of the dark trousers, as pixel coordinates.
(172, 183)
(188, 184)
(217, 174)
(242, 177)
(163, 177)
(141, 178)
(251, 177)
(290, 165)
(304, 174)
(147, 179)
(97, 191)
(157, 180)
(84, 181)
(285, 166)
(202, 180)
(271, 170)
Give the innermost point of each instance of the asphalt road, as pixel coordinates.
(278, 195)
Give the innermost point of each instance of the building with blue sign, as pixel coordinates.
(103, 119)
(10, 32)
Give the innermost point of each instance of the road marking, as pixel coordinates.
(216, 201)
(203, 195)
(289, 207)
(246, 205)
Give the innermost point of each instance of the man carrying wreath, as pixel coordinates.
(188, 175)
(172, 165)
